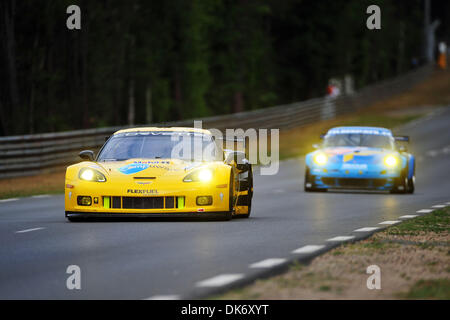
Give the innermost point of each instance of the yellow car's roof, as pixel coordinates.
(174, 129)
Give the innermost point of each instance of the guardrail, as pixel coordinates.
(32, 154)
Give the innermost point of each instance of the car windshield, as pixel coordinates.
(359, 140)
(187, 146)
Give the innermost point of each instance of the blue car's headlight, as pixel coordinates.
(390, 161)
(320, 158)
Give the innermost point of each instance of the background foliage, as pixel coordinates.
(143, 61)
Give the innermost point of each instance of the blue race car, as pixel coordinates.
(360, 158)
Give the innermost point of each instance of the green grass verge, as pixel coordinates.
(429, 289)
(437, 221)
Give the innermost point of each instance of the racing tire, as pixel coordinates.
(229, 214)
(400, 184)
(246, 185)
(309, 181)
(411, 184)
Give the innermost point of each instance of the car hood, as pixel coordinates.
(153, 168)
(357, 154)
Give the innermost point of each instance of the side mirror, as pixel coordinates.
(402, 138)
(242, 164)
(316, 146)
(87, 155)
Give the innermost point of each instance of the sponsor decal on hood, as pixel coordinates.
(133, 168)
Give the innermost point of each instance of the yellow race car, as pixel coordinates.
(160, 172)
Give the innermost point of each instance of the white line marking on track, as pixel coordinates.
(408, 216)
(9, 200)
(432, 153)
(309, 248)
(341, 238)
(439, 206)
(390, 222)
(39, 196)
(29, 230)
(220, 280)
(366, 229)
(424, 211)
(268, 263)
(164, 297)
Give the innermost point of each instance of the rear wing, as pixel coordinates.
(402, 138)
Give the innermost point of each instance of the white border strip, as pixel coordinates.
(267, 263)
(390, 222)
(308, 249)
(29, 230)
(9, 200)
(408, 216)
(220, 280)
(366, 229)
(341, 238)
(424, 211)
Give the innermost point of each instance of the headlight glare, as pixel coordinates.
(320, 159)
(202, 175)
(205, 175)
(89, 174)
(390, 161)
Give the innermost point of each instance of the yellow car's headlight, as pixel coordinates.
(201, 175)
(320, 159)
(89, 174)
(390, 161)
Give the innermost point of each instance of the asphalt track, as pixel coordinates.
(166, 259)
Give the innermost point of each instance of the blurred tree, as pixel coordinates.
(142, 61)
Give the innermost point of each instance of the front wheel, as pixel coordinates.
(229, 213)
(400, 185)
(308, 184)
(245, 200)
(411, 184)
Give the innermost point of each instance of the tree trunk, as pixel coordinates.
(401, 48)
(131, 104)
(3, 129)
(238, 105)
(131, 107)
(9, 13)
(34, 67)
(178, 95)
(84, 70)
(148, 104)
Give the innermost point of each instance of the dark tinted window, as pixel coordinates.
(160, 145)
(359, 140)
